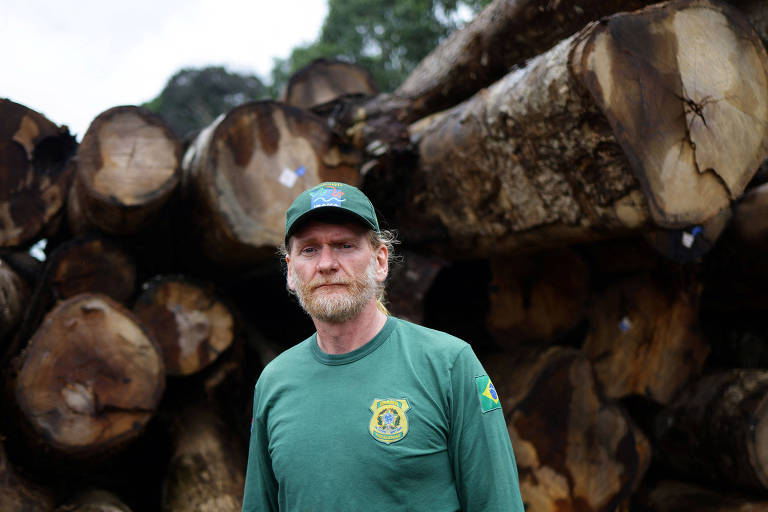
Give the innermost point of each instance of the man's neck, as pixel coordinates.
(345, 337)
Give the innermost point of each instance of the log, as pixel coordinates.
(505, 34)
(206, 472)
(644, 337)
(536, 296)
(716, 430)
(671, 496)
(243, 171)
(574, 449)
(17, 494)
(94, 500)
(594, 138)
(33, 157)
(94, 265)
(323, 80)
(127, 167)
(190, 324)
(14, 294)
(89, 380)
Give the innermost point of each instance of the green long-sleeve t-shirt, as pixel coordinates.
(407, 422)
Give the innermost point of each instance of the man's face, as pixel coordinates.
(334, 270)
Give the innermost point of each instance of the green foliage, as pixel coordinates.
(193, 98)
(386, 37)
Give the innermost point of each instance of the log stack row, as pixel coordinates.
(578, 195)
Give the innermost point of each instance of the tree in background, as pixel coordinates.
(193, 98)
(387, 38)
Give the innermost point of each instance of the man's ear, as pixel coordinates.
(382, 263)
(288, 275)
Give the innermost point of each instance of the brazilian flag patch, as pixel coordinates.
(489, 399)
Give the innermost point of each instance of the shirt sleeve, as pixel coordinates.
(481, 451)
(260, 492)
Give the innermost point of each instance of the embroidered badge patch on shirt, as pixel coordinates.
(489, 399)
(388, 422)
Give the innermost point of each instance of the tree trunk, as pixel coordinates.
(93, 265)
(536, 297)
(717, 429)
(660, 138)
(190, 324)
(14, 295)
(574, 450)
(671, 496)
(128, 166)
(505, 34)
(207, 470)
(95, 500)
(244, 170)
(324, 80)
(89, 379)
(33, 157)
(644, 337)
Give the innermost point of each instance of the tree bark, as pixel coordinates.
(128, 166)
(717, 429)
(535, 161)
(93, 265)
(207, 470)
(90, 378)
(33, 157)
(644, 337)
(536, 297)
(324, 80)
(190, 324)
(671, 496)
(574, 450)
(244, 170)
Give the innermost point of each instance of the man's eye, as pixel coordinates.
(308, 250)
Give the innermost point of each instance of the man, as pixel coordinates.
(371, 412)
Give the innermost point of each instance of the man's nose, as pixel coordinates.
(327, 261)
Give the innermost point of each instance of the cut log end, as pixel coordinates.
(128, 165)
(90, 378)
(247, 169)
(192, 327)
(685, 88)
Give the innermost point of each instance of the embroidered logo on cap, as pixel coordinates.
(388, 422)
(326, 196)
(489, 399)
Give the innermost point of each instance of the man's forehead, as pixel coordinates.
(321, 229)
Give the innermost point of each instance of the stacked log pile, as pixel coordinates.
(578, 197)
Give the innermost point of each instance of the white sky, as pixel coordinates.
(72, 60)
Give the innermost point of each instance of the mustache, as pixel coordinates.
(312, 285)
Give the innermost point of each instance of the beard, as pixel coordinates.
(340, 303)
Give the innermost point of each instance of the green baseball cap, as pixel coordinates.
(327, 200)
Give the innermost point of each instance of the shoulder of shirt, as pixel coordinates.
(288, 359)
(431, 338)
